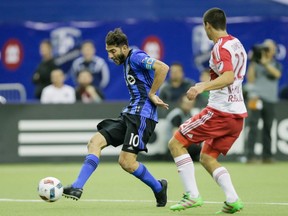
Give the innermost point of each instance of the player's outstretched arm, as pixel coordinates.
(226, 79)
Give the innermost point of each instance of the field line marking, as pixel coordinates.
(19, 200)
(127, 201)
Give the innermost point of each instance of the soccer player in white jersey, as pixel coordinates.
(220, 123)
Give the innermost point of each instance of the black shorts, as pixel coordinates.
(133, 131)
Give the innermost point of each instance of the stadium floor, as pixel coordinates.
(111, 191)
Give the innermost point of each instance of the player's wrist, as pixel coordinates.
(151, 94)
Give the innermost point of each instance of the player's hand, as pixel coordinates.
(195, 90)
(158, 102)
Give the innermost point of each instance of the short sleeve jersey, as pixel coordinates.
(228, 56)
(139, 77)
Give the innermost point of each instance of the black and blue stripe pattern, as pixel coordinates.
(139, 81)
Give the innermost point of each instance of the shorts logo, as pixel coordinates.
(190, 135)
(130, 148)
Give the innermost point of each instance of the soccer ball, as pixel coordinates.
(50, 189)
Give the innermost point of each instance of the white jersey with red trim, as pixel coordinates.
(228, 55)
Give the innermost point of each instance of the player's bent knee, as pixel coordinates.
(125, 165)
(172, 144)
(175, 147)
(128, 163)
(207, 161)
(122, 163)
(202, 160)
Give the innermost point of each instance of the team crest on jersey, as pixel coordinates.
(220, 66)
(131, 80)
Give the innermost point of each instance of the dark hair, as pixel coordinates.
(216, 17)
(116, 38)
(87, 42)
(46, 41)
(177, 64)
(83, 70)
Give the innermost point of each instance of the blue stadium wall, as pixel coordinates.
(170, 26)
(112, 10)
(182, 40)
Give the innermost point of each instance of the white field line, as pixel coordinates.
(144, 201)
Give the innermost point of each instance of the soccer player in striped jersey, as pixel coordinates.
(220, 123)
(136, 123)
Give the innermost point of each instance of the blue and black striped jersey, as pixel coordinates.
(139, 76)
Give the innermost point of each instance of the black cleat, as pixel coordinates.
(73, 193)
(161, 197)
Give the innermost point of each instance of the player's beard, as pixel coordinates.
(120, 59)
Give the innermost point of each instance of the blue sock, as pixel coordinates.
(145, 176)
(90, 164)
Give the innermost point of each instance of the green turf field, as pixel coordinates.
(111, 191)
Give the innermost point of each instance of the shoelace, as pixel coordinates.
(185, 198)
(227, 208)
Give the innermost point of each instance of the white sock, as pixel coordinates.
(186, 171)
(222, 177)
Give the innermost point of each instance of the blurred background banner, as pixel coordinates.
(182, 40)
(33, 133)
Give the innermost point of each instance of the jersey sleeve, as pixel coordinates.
(225, 63)
(143, 61)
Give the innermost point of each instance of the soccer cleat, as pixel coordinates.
(231, 208)
(161, 197)
(187, 202)
(73, 193)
